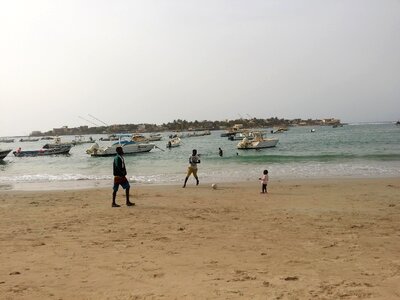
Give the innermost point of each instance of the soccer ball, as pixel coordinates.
(214, 186)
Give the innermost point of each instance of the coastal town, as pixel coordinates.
(184, 125)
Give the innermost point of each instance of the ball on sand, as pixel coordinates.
(214, 186)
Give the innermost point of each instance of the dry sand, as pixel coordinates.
(315, 239)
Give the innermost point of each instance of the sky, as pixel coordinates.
(149, 61)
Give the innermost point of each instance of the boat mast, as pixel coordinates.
(98, 120)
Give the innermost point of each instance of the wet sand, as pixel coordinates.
(310, 239)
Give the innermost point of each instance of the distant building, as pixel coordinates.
(61, 131)
(36, 133)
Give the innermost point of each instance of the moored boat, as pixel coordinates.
(155, 137)
(239, 136)
(259, 142)
(80, 139)
(4, 153)
(28, 140)
(279, 130)
(43, 152)
(174, 142)
(111, 137)
(125, 141)
(4, 140)
(139, 138)
(57, 143)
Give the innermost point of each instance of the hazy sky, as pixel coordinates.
(127, 61)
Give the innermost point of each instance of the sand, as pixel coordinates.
(309, 239)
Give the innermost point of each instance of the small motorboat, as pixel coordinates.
(4, 153)
(80, 139)
(111, 137)
(139, 138)
(279, 130)
(43, 152)
(28, 140)
(239, 136)
(155, 137)
(57, 143)
(128, 145)
(6, 140)
(258, 142)
(174, 142)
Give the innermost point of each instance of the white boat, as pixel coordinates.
(111, 137)
(155, 137)
(196, 133)
(80, 139)
(258, 142)
(125, 141)
(239, 136)
(57, 144)
(28, 140)
(139, 138)
(174, 142)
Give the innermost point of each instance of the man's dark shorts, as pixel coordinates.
(118, 180)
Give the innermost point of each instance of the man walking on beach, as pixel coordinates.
(192, 169)
(119, 172)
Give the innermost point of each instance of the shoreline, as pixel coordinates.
(106, 184)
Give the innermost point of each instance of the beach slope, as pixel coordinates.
(322, 239)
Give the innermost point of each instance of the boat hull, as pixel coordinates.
(55, 146)
(268, 143)
(4, 153)
(128, 148)
(174, 142)
(43, 152)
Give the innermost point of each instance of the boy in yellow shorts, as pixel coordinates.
(192, 169)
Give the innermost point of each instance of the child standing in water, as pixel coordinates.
(264, 181)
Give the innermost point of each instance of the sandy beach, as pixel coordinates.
(306, 239)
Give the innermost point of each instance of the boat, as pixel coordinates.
(57, 143)
(279, 130)
(155, 137)
(258, 142)
(174, 142)
(237, 128)
(28, 140)
(43, 152)
(111, 137)
(239, 136)
(398, 123)
(139, 138)
(6, 140)
(80, 139)
(125, 141)
(4, 153)
(197, 133)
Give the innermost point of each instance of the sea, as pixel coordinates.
(351, 151)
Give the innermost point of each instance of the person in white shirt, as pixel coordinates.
(264, 181)
(192, 169)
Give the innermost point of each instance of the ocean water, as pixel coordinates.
(367, 150)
